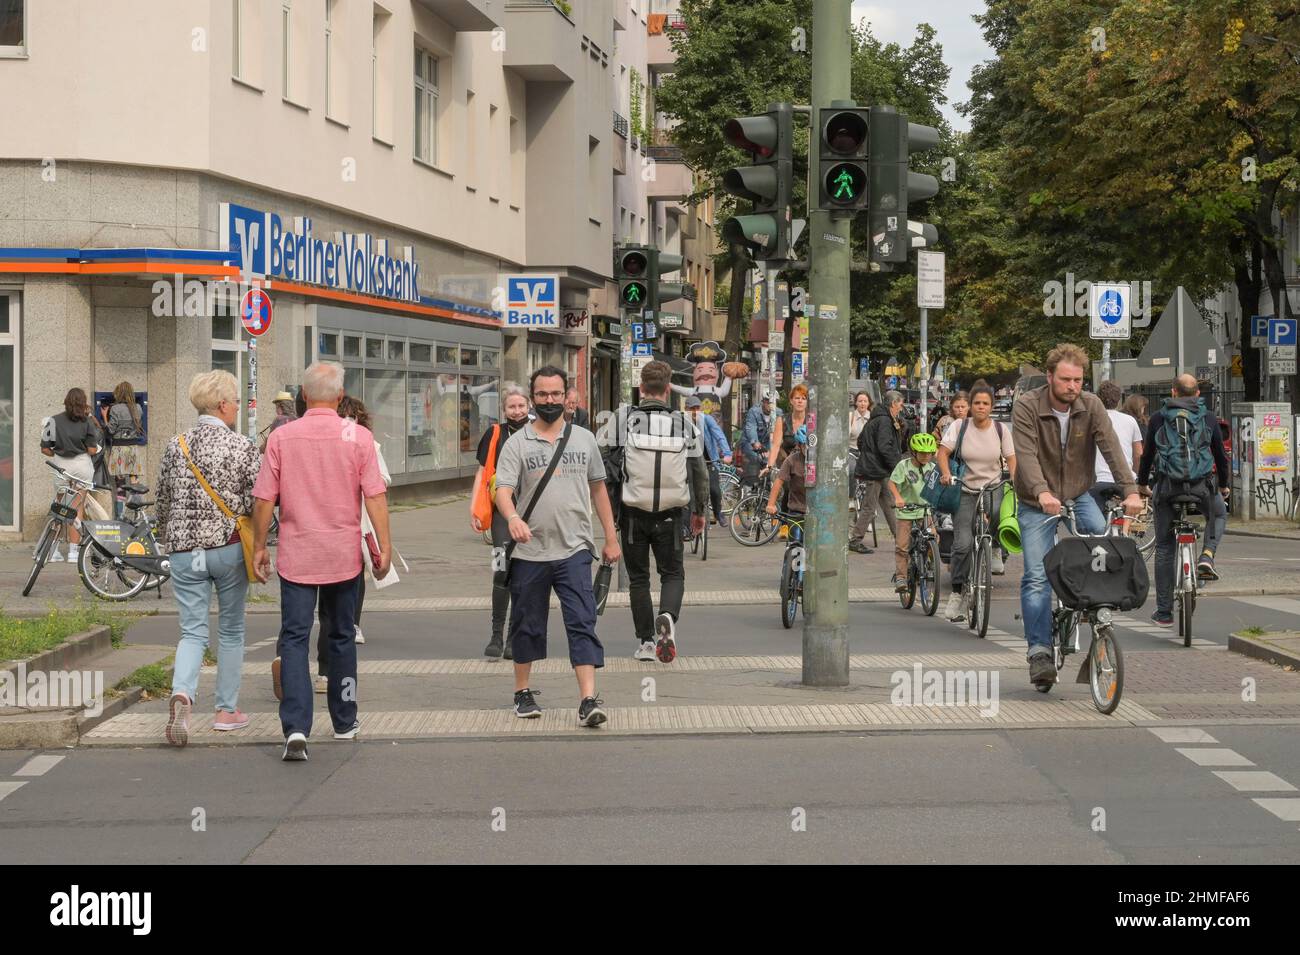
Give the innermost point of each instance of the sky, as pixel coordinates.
(895, 21)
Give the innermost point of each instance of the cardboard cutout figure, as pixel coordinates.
(710, 386)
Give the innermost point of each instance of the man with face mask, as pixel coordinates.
(1057, 431)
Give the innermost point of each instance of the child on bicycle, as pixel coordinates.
(791, 477)
(906, 483)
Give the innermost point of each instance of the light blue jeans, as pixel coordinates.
(1037, 536)
(192, 581)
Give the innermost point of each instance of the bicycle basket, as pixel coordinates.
(1097, 572)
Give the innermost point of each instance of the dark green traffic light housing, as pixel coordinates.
(632, 272)
(843, 176)
(767, 182)
(892, 184)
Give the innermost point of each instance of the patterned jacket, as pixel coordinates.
(187, 517)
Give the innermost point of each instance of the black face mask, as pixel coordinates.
(513, 424)
(549, 413)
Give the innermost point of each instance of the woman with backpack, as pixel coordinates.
(483, 512)
(783, 441)
(125, 429)
(979, 445)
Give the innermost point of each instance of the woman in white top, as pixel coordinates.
(1128, 433)
(985, 444)
(858, 416)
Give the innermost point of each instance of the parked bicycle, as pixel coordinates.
(923, 565)
(978, 589)
(792, 567)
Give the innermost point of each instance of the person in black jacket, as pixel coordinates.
(880, 447)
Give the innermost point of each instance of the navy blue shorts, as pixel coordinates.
(531, 582)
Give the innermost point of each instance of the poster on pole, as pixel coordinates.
(929, 279)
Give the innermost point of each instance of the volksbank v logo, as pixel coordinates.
(533, 301)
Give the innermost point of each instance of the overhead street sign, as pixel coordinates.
(1110, 315)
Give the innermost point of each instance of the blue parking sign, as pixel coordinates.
(1282, 331)
(638, 332)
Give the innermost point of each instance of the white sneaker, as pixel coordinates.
(998, 566)
(666, 645)
(55, 557)
(645, 652)
(322, 684)
(361, 638)
(349, 733)
(73, 552)
(954, 609)
(295, 748)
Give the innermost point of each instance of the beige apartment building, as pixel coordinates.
(419, 187)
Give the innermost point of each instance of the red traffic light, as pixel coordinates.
(634, 263)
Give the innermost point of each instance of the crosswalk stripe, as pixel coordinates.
(1259, 781)
(39, 765)
(7, 788)
(1182, 734)
(1287, 810)
(1215, 757)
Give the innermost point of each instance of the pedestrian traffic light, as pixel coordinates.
(843, 158)
(892, 185)
(767, 182)
(663, 263)
(632, 272)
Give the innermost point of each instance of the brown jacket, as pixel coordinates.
(1041, 463)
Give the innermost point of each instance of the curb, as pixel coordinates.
(1260, 649)
(77, 647)
(1261, 534)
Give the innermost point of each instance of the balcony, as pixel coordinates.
(618, 145)
(542, 47)
(466, 16)
(660, 28)
(620, 124)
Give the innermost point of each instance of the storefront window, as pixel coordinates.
(447, 355)
(386, 401)
(420, 424)
(223, 327)
(479, 401)
(375, 348)
(353, 385)
(421, 354)
(446, 417)
(469, 357)
(327, 345)
(8, 408)
(488, 358)
(223, 360)
(351, 346)
(396, 350)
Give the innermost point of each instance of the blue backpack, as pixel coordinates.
(1183, 445)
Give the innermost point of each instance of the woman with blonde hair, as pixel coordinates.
(205, 482)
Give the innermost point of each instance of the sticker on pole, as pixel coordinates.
(1108, 309)
(255, 311)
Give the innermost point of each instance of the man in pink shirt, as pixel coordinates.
(318, 468)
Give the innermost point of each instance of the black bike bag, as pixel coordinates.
(1090, 572)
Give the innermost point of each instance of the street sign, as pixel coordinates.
(1282, 331)
(1281, 366)
(797, 365)
(929, 279)
(641, 350)
(862, 368)
(650, 331)
(1110, 316)
(1180, 340)
(638, 332)
(1259, 331)
(670, 320)
(255, 311)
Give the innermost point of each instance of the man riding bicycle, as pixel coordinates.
(1184, 449)
(1057, 430)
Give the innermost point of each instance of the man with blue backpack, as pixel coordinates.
(1183, 455)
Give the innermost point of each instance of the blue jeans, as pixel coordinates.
(224, 567)
(338, 604)
(1037, 536)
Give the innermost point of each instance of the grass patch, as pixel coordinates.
(155, 679)
(259, 598)
(22, 637)
(209, 658)
(1253, 632)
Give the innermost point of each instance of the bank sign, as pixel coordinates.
(533, 301)
(347, 261)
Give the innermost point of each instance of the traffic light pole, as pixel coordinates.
(826, 580)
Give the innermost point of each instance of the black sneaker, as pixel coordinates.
(860, 548)
(509, 653)
(1205, 567)
(1162, 619)
(591, 711)
(493, 650)
(526, 707)
(1042, 668)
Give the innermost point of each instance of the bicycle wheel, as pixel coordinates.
(704, 544)
(789, 589)
(972, 586)
(1105, 670)
(750, 523)
(1186, 607)
(930, 578)
(1143, 530)
(105, 576)
(907, 596)
(984, 589)
(731, 493)
(48, 541)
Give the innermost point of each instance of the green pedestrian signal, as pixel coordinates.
(634, 294)
(842, 157)
(845, 183)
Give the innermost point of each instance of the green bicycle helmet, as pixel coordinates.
(923, 443)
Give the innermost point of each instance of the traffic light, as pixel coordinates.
(632, 272)
(843, 173)
(662, 263)
(892, 185)
(767, 183)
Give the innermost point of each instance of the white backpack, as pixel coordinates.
(657, 445)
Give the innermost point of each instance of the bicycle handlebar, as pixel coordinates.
(73, 479)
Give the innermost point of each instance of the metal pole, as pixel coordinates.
(925, 364)
(1178, 329)
(252, 388)
(826, 579)
(1105, 360)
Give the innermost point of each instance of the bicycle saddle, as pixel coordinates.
(135, 488)
(1184, 499)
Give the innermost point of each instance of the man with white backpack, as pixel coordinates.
(662, 471)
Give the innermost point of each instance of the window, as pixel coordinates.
(468, 357)
(381, 76)
(494, 145)
(286, 66)
(351, 346)
(396, 350)
(9, 402)
(489, 358)
(328, 345)
(421, 354)
(331, 58)
(593, 179)
(375, 348)
(447, 355)
(516, 163)
(13, 31)
(237, 47)
(471, 142)
(426, 106)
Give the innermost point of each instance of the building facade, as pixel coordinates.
(385, 172)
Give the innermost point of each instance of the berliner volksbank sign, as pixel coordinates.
(347, 261)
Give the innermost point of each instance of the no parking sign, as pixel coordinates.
(255, 311)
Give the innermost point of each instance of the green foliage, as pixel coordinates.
(154, 678)
(22, 637)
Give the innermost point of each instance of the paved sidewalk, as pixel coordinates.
(450, 569)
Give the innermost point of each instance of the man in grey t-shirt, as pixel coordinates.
(553, 550)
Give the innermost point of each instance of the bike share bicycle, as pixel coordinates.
(118, 559)
(1092, 576)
